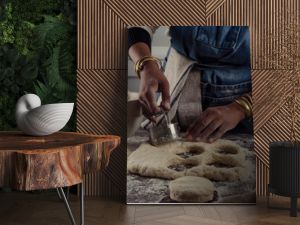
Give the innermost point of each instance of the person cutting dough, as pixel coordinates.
(205, 83)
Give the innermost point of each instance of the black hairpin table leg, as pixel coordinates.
(62, 195)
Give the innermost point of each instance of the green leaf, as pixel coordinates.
(14, 89)
(7, 82)
(8, 73)
(20, 81)
(41, 89)
(2, 74)
(49, 33)
(58, 70)
(30, 72)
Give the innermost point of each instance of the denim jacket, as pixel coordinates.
(222, 54)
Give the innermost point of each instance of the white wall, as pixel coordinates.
(160, 46)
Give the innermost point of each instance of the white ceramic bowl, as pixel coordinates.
(40, 120)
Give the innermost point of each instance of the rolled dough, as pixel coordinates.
(222, 160)
(151, 161)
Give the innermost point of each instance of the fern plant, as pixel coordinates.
(37, 53)
(55, 44)
(17, 73)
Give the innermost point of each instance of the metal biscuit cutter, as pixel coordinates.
(164, 133)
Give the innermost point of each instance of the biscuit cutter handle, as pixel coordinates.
(166, 116)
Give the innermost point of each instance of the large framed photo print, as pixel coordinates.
(189, 115)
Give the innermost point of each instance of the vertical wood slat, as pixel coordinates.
(102, 64)
(101, 37)
(262, 178)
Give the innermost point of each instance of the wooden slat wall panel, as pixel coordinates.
(267, 103)
(262, 178)
(159, 13)
(101, 37)
(263, 17)
(271, 118)
(212, 5)
(102, 64)
(101, 107)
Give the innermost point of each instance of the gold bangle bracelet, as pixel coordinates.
(249, 102)
(249, 97)
(139, 65)
(246, 100)
(245, 105)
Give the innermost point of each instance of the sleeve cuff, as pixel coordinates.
(137, 34)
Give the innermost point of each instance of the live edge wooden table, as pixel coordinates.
(52, 162)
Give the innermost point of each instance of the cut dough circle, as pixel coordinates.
(191, 189)
(150, 161)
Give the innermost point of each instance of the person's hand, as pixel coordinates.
(152, 81)
(214, 122)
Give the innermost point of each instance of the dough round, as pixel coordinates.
(191, 189)
(151, 161)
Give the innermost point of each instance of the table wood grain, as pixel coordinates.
(57, 160)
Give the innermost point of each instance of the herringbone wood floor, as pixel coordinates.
(46, 209)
